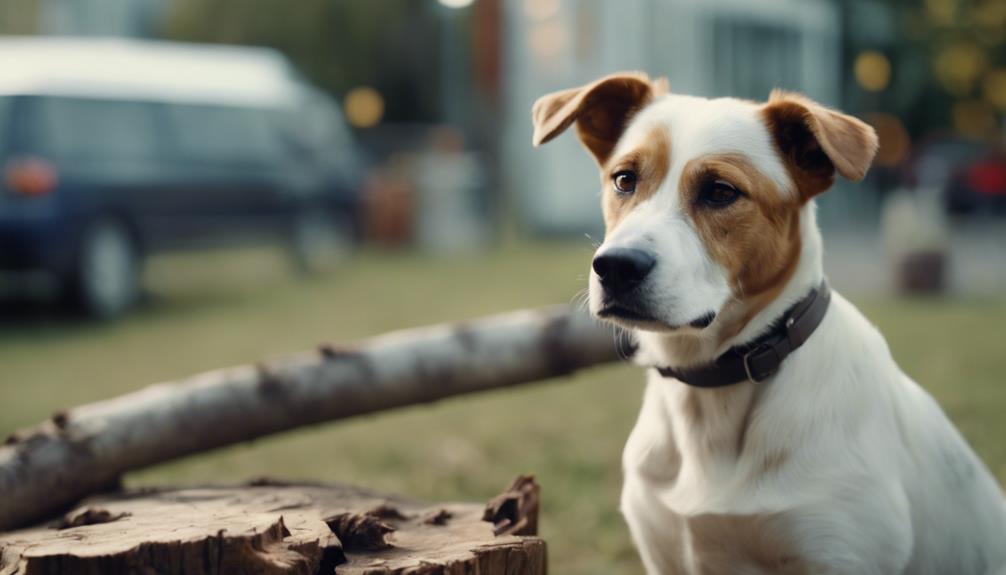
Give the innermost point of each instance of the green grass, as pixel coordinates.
(218, 309)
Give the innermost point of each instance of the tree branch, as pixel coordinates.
(50, 466)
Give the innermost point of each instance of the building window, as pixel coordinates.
(751, 58)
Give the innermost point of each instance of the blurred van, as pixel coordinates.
(112, 150)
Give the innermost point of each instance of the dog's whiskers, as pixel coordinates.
(581, 299)
(625, 347)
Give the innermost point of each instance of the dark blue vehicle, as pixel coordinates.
(115, 150)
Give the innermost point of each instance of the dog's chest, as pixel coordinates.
(741, 544)
(667, 483)
(710, 544)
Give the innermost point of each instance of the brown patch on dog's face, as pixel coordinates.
(651, 162)
(756, 239)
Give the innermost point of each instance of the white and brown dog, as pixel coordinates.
(777, 434)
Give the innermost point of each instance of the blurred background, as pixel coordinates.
(190, 184)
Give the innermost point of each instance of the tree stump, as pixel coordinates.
(267, 528)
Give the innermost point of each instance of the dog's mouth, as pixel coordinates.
(634, 317)
(617, 311)
(703, 321)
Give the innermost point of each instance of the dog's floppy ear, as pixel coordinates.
(601, 110)
(817, 141)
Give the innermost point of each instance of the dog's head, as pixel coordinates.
(702, 198)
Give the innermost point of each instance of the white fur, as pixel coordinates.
(697, 127)
(875, 478)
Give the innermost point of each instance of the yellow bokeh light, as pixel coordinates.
(872, 70)
(990, 14)
(974, 118)
(942, 12)
(994, 88)
(364, 107)
(958, 66)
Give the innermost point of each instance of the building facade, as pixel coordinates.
(704, 47)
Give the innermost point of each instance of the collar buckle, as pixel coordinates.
(758, 351)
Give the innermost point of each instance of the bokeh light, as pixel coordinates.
(991, 14)
(941, 12)
(994, 88)
(958, 65)
(872, 70)
(974, 118)
(364, 107)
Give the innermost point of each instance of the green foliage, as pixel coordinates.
(942, 52)
(19, 16)
(338, 44)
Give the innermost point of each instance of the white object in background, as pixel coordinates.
(912, 222)
(448, 219)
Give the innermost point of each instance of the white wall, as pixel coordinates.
(556, 187)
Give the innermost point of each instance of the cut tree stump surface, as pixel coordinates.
(274, 528)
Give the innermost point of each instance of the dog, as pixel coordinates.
(777, 434)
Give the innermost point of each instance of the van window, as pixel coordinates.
(6, 128)
(219, 134)
(91, 129)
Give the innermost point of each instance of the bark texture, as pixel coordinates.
(47, 468)
(267, 529)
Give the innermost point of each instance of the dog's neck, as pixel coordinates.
(710, 426)
(741, 320)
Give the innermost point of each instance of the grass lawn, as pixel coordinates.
(217, 309)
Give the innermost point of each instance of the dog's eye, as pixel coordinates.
(718, 194)
(625, 181)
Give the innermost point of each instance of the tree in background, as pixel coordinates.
(939, 65)
(391, 45)
(19, 16)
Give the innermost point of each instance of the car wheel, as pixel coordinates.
(320, 241)
(107, 271)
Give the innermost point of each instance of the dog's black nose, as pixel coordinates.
(621, 269)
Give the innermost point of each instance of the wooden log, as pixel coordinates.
(48, 467)
(269, 529)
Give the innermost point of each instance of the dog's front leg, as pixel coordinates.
(658, 534)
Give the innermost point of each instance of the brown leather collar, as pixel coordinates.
(761, 358)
